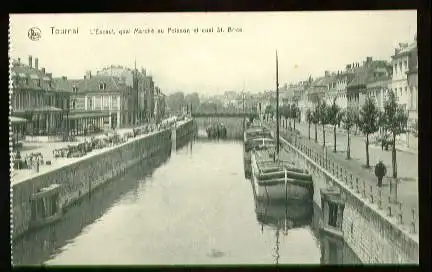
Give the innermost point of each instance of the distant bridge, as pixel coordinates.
(233, 121)
(225, 114)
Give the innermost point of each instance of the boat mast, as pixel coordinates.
(277, 106)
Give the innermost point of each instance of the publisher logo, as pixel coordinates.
(34, 34)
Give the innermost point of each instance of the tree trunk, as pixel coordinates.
(394, 166)
(334, 138)
(309, 131)
(294, 124)
(323, 135)
(348, 146)
(316, 134)
(367, 150)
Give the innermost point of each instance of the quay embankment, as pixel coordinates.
(76, 177)
(373, 228)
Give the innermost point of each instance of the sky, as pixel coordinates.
(308, 43)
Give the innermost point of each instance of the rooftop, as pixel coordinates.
(91, 84)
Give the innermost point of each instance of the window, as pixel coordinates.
(405, 64)
(332, 214)
(400, 91)
(89, 103)
(38, 82)
(412, 98)
(406, 90)
(26, 81)
(73, 104)
(75, 89)
(102, 86)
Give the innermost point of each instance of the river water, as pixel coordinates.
(190, 206)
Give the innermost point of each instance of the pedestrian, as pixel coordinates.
(380, 172)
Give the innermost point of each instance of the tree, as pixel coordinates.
(294, 114)
(349, 120)
(309, 119)
(175, 102)
(323, 117)
(368, 122)
(335, 115)
(270, 110)
(192, 100)
(284, 112)
(396, 119)
(315, 121)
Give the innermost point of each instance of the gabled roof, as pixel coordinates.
(366, 73)
(113, 84)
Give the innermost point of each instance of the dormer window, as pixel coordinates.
(75, 89)
(102, 86)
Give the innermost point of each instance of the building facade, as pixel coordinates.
(372, 73)
(97, 102)
(160, 105)
(141, 104)
(36, 101)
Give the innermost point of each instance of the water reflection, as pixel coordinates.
(196, 209)
(37, 246)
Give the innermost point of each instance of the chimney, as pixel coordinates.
(19, 60)
(326, 73)
(43, 70)
(348, 67)
(64, 77)
(30, 61)
(36, 63)
(368, 59)
(88, 75)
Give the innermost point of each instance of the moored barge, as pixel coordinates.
(277, 180)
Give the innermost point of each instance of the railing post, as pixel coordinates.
(413, 224)
(400, 213)
(351, 181)
(357, 185)
(364, 188)
(389, 210)
(379, 198)
(371, 194)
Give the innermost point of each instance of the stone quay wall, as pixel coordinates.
(371, 230)
(184, 133)
(89, 172)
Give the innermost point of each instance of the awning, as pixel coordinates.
(40, 109)
(87, 115)
(17, 120)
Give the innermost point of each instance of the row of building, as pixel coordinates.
(114, 97)
(351, 86)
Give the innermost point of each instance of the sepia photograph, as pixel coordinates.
(229, 138)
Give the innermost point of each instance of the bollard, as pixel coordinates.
(400, 213)
(389, 210)
(357, 186)
(379, 198)
(413, 226)
(371, 194)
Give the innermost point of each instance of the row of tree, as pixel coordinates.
(177, 101)
(369, 119)
(290, 112)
